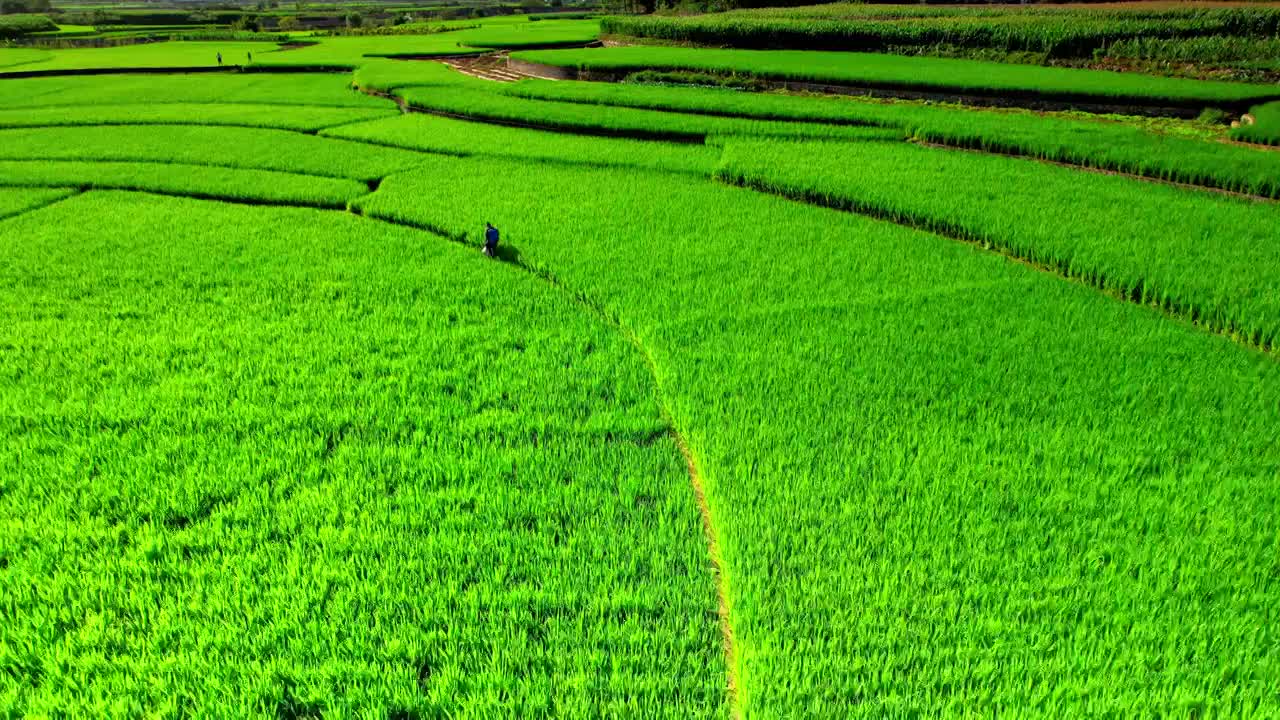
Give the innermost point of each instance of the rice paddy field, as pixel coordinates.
(770, 405)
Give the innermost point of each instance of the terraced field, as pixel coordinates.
(768, 407)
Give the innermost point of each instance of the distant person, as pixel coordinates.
(250, 58)
(490, 240)
(219, 58)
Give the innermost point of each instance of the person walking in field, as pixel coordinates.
(490, 239)
(219, 58)
(250, 58)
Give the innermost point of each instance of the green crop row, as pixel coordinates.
(284, 117)
(318, 90)
(329, 52)
(431, 133)
(263, 462)
(701, 100)
(1103, 145)
(543, 32)
(1112, 146)
(940, 480)
(1210, 49)
(1059, 33)
(202, 181)
(1265, 128)
(386, 75)
(1253, 17)
(15, 58)
(151, 55)
(242, 148)
(354, 51)
(913, 73)
(14, 201)
(575, 117)
(1205, 257)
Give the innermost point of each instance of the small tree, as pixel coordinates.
(289, 23)
(247, 23)
(354, 20)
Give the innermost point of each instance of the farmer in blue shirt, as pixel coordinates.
(490, 239)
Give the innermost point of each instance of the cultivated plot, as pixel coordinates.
(264, 461)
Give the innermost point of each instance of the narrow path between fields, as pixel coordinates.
(590, 305)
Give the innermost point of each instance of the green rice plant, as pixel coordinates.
(701, 100)
(294, 462)
(353, 52)
(152, 55)
(297, 462)
(15, 201)
(1265, 128)
(1109, 146)
(1206, 257)
(432, 133)
(574, 117)
(13, 58)
(241, 148)
(65, 30)
(1056, 32)
(1213, 49)
(285, 117)
(940, 480)
(257, 88)
(384, 75)
(1098, 144)
(914, 73)
(509, 36)
(199, 181)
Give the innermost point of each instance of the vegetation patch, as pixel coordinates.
(1203, 257)
(1116, 144)
(241, 148)
(286, 117)
(1264, 128)
(320, 90)
(333, 461)
(984, 449)
(1046, 30)
(437, 134)
(912, 73)
(618, 121)
(199, 181)
(307, 463)
(15, 201)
